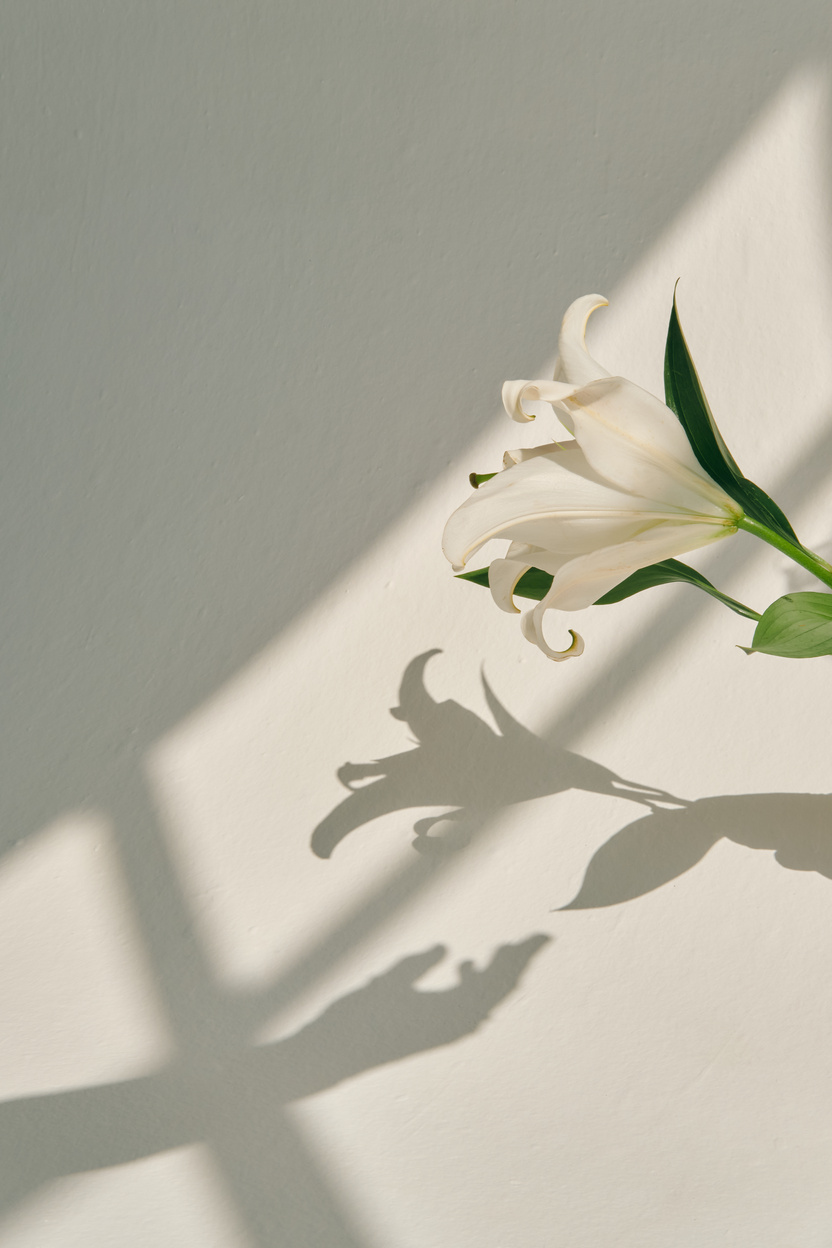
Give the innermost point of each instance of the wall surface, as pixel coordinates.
(541, 958)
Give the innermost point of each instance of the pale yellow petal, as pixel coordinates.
(637, 444)
(580, 582)
(553, 501)
(503, 575)
(574, 363)
(514, 392)
(583, 580)
(532, 452)
(532, 628)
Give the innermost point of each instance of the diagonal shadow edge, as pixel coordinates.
(219, 1093)
(402, 885)
(411, 881)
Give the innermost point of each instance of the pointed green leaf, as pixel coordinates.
(477, 577)
(532, 584)
(667, 572)
(536, 584)
(798, 626)
(684, 396)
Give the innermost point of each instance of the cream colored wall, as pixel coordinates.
(264, 268)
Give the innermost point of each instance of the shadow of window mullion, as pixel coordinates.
(180, 970)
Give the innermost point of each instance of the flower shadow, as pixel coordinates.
(462, 763)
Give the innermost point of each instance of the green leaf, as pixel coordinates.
(532, 584)
(665, 573)
(684, 396)
(536, 584)
(798, 626)
(478, 577)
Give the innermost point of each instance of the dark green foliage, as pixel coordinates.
(536, 584)
(684, 395)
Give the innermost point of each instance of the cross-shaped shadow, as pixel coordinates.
(126, 517)
(219, 1083)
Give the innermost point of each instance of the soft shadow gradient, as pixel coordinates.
(236, 244)
(218, 1091)
(235, 240)
(461, 762)
(796, 827)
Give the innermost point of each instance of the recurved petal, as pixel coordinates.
(510, 458)
(503, 575)
(514, 392)
(574, 363)
(583, 580)
(531, 626)
(636, 444)
(552, 501)
(525, 553)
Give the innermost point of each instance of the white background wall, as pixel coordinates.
(264, 268)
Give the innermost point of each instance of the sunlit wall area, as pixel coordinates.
(332, 912)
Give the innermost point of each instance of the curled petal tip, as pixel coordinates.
(580, 310)
(548, 391)
(588, 303)
(530, 626)
(575, 650)
(512, 401)
(574, 361)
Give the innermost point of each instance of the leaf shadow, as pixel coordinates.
(652, 851)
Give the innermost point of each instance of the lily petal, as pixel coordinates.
(531, 628)
(526, 553)
(627, 492)
(503, 575)
(554, 501)
(583, 580)
(574, 363)
(510, 458)
(541, 391)
(636, 444)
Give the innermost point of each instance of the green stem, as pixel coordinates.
(806, 558)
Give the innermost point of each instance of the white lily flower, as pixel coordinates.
(626, 493)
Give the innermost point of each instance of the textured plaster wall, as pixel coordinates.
(264, 268)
